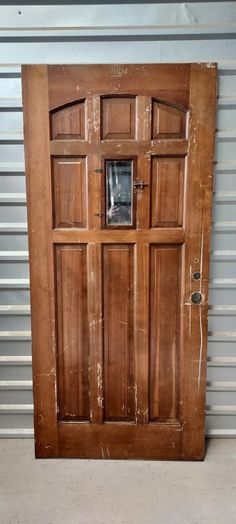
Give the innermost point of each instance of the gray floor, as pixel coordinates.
(84, 492)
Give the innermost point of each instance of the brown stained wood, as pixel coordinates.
(69, 122)
(118, 304)
(39, 198)
(72, 332)
(146, 351)
(122, 147)
(142, 196)
(197, 257)
(95, 201)
(118, 118)
(167, 191)
(143, 118)
(164, 331)
(141, 330)
(168, 82)
(93, 122)
(70, 192)
(120, 441)
(168, 121)
(165, 235)
(95, 330)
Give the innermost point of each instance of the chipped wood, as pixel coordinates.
(119, 352)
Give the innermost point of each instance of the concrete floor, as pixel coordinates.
(110, 492)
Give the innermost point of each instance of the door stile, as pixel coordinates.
(142, 268)
(39, 199)
(92, 137)
(95, 184)
(144, 114)
(95, 328)
(141, 332)
(143, 195)
(196, 259)
(93, 118)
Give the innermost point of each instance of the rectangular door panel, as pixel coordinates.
(70, 192)
(72, 332)
(118, 118)
(167, 193)
(118, 270)
(164, 331)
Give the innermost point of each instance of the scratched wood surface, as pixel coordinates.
(119, 347)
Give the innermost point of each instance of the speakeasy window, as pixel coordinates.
(119, 198)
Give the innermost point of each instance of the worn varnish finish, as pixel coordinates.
(119, 350)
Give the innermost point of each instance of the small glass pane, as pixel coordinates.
(119, 183)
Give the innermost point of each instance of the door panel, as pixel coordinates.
(118, 303)
(167, 191)
(118, 117)
(69, 122)
(168, 122)
(119, 181)
(164, 331)
(70, 192)
(72, 332)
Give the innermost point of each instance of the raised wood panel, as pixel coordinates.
(118, 117)
(164, 331)
(167, 191)
(69, 122)
(70, 192)
(118, 332)
(139, 342)
(167, 121)
(72, 332)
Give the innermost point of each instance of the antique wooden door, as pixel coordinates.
(119, 162)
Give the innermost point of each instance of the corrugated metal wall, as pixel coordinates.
(186, 32)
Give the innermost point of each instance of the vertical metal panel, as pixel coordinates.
(207, 43)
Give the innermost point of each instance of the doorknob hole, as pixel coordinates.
(196, 298)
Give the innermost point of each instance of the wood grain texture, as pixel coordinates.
(118, 297)
(167, 82)
(141, 330)
(70, 188)
(95, 323)
(71, 270)
(122, 147)
(167, 191)
(39, 199)
(146, 350)
(118, 117)
(166, 235)
(120, 441)
(69, 122)
(168, 121)
(164, 327)
(200, 165)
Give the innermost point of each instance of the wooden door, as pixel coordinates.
(119, 162)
